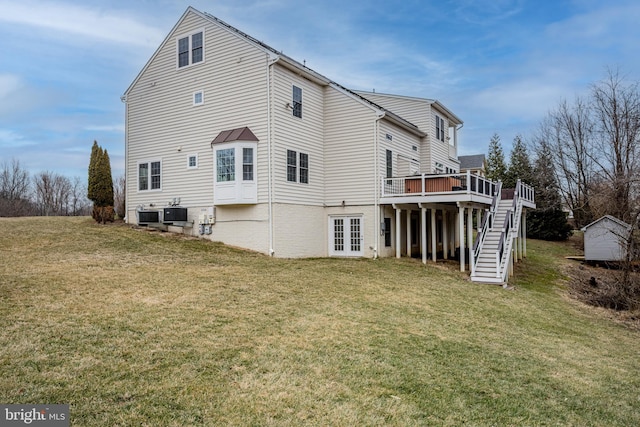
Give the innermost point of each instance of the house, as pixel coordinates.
(474, 163)
(231, 140)
(605, 239)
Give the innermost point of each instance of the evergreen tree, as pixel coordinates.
(548, 221)
(105, 184)
(91, 185)
(545, 182)
(519, 165)
(496, 168)
(100, 185)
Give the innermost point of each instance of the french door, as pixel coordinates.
(345, 236)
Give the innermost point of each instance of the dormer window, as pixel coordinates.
(191, 49)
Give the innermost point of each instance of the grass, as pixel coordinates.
(132, 327)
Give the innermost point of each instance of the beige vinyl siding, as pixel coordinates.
(349, 150)
(401, 145)
(414, 110)
(164, 124)
(439, 150)
(302, 135)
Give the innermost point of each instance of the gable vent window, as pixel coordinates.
(191, 49)
(192, 161)
(198, 98)
(297, 102)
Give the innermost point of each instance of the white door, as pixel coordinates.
(345, 236)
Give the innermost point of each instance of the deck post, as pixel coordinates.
(398, 230)
(423, 231)
(470, 236)
(461, 235)
(452, 234)
(433, 235)
(524, 235)
(445, 235)
(408, 236)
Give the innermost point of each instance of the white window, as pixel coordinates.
(297, 167)
(150, 175)
(439, 128)
(345, 236)
(226, 165)
(190, 49)
(198, 98)
(235, 173)
(297, 102)
(192, 161)
(439, 167)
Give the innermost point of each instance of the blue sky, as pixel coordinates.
(500, 65)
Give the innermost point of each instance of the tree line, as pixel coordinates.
(43, 194)
(49, 193)
(587, 162)
(586, 157)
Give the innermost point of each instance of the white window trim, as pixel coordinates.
(204, 48)
(197, 104)
(346, 252)
(297, 166)
(148, 162)
(189, 157)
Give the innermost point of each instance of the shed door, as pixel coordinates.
(345, 236)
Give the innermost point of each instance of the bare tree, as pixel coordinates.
(52, 193)
(616, 111)
(14, 190)
(119, 191)
(568, 134)
(78, 202)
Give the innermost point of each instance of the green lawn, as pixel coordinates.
(144, 328)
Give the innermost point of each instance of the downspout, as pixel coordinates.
(270, 62)
(123, 98)
(377, 186)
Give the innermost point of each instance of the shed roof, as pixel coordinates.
(239, 134)
(609, 217)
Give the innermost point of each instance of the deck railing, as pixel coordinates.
(428, 184)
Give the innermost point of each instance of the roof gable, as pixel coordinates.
(607, 218)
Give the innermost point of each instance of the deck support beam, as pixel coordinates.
(461, 235)
(423, 231)
(445, 235)
(470, 236)
(408, 236)
(398, 231)
(433, 235)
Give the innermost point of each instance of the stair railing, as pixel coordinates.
(487, 223)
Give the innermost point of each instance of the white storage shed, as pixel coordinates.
(605, 239)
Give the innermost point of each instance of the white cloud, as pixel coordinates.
(94, 23)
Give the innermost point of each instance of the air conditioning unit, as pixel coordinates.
(148, 217)
(174, 214)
